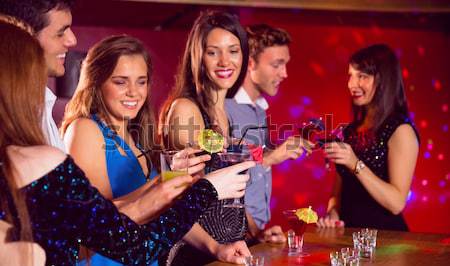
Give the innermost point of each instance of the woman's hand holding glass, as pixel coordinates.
(228, 181)
(341, 153)
(160, 195)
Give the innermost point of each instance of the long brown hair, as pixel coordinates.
(380, 61)
(98, 66)
(191, 80)
(22, 81)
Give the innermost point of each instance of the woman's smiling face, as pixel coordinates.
(222, 58)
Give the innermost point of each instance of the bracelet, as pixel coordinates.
(358, 167)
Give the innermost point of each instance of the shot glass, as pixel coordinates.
(173, 164)
(367, 250)
(370, 235)
(357, 239)
(336, 259)
(347, 256)
(254, 261)
(352, 261)
(295, 243)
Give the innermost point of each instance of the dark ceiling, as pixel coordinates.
(170, 16)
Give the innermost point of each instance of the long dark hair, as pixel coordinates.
(192, 80)
(22, 81)
(380, 61)
(33, 12)
(98, 66)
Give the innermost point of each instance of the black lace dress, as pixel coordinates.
(358, 208)
(224, 224)
(66, 212)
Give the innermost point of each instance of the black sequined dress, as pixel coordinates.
(358, 208)
(66, 212)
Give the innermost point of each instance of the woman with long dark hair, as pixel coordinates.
(375, 162)
(214, 63)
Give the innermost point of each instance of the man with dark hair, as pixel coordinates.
(269, 54)
(50, 21)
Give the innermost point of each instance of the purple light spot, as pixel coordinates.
(318, 173)
(273, 203)
(410, 196)
(445, 128)
(284, 166)
(427, 155)
(442, 199)
(300, 159)
(412, 115)
(296, 111)
(442, 183)
(306, 100)
(321, 210)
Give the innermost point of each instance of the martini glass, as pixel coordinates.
(232, 158)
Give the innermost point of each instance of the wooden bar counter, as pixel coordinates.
(393, 248)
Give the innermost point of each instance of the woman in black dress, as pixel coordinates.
(376, 160)
(214, 62)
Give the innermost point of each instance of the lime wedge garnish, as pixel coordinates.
(210, 141)
(307, 215)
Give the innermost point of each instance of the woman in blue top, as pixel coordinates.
(108, 125)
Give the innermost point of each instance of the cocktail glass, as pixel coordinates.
(295, 234)
(232, 158)
(173, 164)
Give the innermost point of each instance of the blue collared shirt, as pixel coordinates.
(243, 113)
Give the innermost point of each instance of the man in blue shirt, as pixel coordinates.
(269, 54)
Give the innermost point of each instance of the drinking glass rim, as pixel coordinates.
(234, 153)
(289, 212)
(170, 152)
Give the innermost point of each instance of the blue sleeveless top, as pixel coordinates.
(125, 175)
(124, 172)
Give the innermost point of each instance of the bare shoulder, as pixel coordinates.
(83, 131)
(83, 126)
(404, 134)
(33, 162)
(186, 111)
(404, 140)
(184, 105)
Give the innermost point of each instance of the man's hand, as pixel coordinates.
(233, 252)
(292, 148)
(273, 234)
